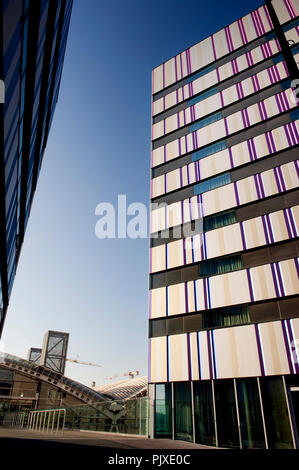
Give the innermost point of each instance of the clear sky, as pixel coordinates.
(99, 147)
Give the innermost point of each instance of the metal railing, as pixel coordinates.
(47, 420)
(15, 420)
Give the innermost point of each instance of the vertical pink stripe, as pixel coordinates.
(244, 30)
(292, 6)
(227, 40)
(252, 14)
(260, 21)
(288, 7)
(214, 48)
(175, 68)
(182, 70)
(241, 32)
(268, 16)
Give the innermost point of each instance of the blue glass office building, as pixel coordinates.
(33, 36)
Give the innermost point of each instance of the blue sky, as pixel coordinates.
(99, 147)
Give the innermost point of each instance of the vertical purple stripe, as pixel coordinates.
(243, 118)
(261, 22)
(275, 280)
(293, 124)
(277, 72)
(292, 134)
(292, 222)
(198, 355)
(195, 171)
(272, 141)
(176, 70)
(237, 193)
(269, 142)
(250, 285)
(226, 126)
(279, 277)
(196, 142)
(238, 91)
(287, 223)
(281, 178)
(254, 149)
(243, 236)
(268, 16)
(182, 71)
(271, 74)
(257, 187)
(241, 32)
(189, 357)
(214, 354)
(285, 99)
(287, 346)
(221, 97)
(286, 68)
(244, 30)
(260, 180)
(205, 293)
(270, 231)
(236, 65)
(214, 48)
(209, 354)
(264, 52)
(265, 229)
(297, 167)
(166, 292)
(290, 12)
(277, 180)
(297, 266)
(249, 148)
(249, 59)
(259, 348)
(261, 111)
(293, 345)
(227, 40)
(186, 294)
(231, 157)
(254, 24)
(247, 116)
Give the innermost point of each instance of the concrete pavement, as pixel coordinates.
(99, 439)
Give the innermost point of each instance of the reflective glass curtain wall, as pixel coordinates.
(33, 37)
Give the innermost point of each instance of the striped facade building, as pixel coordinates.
(223, 299)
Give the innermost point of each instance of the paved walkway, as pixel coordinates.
(99, 439)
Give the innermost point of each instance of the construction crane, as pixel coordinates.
(82, 362)
(131, 374)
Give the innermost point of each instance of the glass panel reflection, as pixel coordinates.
(226, 414)
(204, 413)
(163, 420)
(251, 421)
(276, 413)
(183, 411)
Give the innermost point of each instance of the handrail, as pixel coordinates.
(39, 421)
